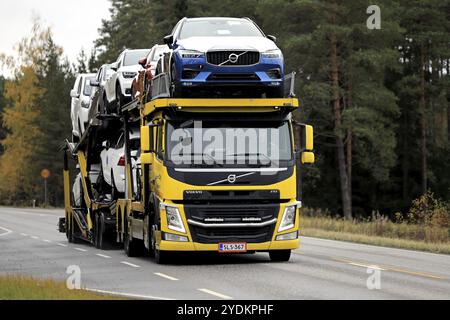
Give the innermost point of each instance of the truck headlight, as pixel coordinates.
(174, 221)
(288, 236)
(272, 54)
(288, 219)
(191, 54)
(174, 237)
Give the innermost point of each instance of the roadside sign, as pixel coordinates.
(45, 173)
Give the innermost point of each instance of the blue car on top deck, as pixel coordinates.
(233, 54)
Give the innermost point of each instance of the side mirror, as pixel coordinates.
(305, 143)
(106, 144)
(169, 41)
(143, 62)
(94, 83)
(74, 94)
(114, 66)
(308, 157)
(273, 38)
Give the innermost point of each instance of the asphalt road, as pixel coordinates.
(320, 269)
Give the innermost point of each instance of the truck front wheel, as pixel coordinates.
(161, 257)
(133, 247)
(280, 255)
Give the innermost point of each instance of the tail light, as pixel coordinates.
(121, 162)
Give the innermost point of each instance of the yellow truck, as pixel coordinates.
(217, 175)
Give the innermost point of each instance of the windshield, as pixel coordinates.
(220, 143)
(132, 57)
(157, 53)
(219, 28)
(87, 86)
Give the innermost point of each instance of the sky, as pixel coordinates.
(74, 23)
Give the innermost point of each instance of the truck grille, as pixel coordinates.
(245, 58)
(216, 235)
(220, 213)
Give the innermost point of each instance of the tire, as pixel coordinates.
(80, 134)
(71, 237)
(280, 255)
(175, 88)
(161, 257)
(69, 232)
(132, 247)
(75, 139)
(120, 99)
(115, 194)
(101, 232)
(106, 105)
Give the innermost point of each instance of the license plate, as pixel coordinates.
(233, 247)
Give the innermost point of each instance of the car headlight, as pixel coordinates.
(129, 75)
(191, 54)
(84, 104)
(174, 221)
(288, 219)
(272, 54)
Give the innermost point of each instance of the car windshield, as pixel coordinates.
(232, 143)
(219, 28)
(157, 53)
(132, 57)
(87, 86)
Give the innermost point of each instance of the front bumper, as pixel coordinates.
(193, 246)
(255, 241)
(198, 72)
(125, 86)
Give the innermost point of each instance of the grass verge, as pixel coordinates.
(391, 235)
(28, 288)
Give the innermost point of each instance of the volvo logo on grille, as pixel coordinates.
(233, 58)
(231, 178)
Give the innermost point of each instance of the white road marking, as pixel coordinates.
(367, 266)
(7, 231)
(103, 255)
(34, 237)
(24, 234)
(165, 276)
(389, 268)
(62, 244)
(215, 294)
(45, 240)
(130, 264)
(129, 295)
(79, 249)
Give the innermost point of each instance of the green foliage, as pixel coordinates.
(37, 118)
